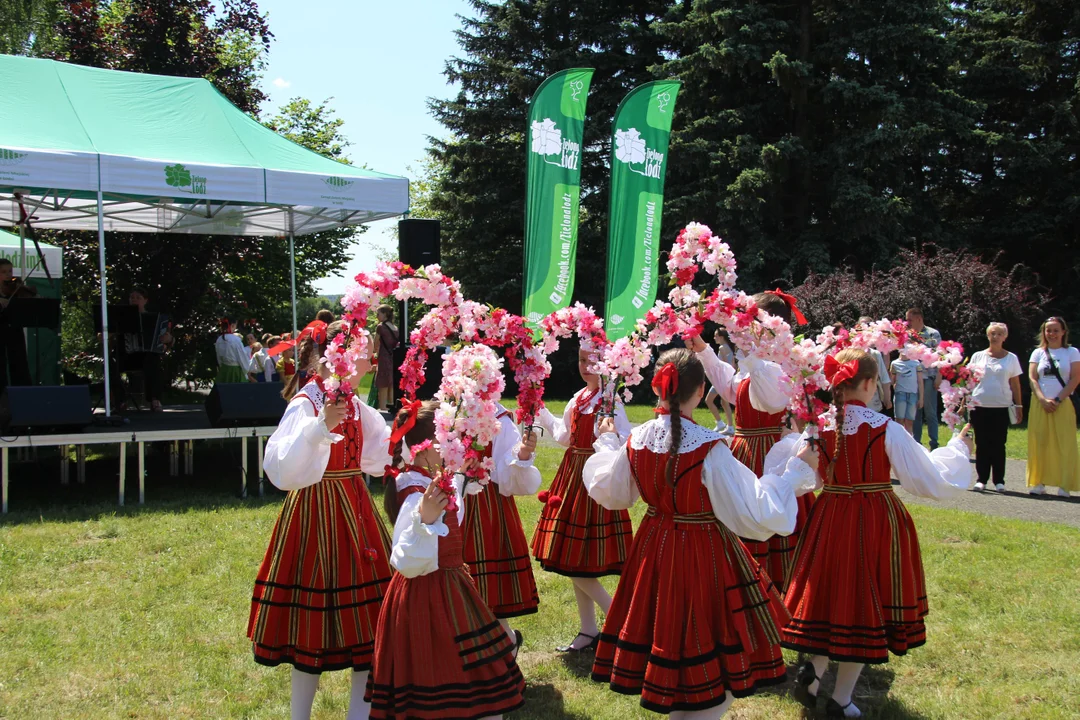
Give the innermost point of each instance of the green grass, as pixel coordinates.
(141, 612)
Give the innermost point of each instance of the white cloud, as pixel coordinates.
(281, 83)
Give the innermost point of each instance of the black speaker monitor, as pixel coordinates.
(245, 404)
(418, 242)
(60, 408)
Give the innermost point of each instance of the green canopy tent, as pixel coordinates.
(85, 148)
(42, 344)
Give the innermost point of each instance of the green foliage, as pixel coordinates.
(26, 26)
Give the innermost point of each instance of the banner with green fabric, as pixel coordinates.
(556, 130)
(640, 137)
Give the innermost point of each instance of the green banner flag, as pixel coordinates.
(555, 136)
(639, 150)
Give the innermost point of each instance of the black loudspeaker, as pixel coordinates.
(418, 242)
(245, 404)
(53, 408)
(432, 374)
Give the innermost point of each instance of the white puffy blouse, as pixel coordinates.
(752, 507)
(559, 429)
(767, 394)
(297, 453)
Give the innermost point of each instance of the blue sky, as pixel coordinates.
(380, 62)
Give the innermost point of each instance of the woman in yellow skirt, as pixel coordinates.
(1054, 372)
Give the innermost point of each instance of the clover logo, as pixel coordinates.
(617, 319)
(546, 138)
(535, 317)
(177, 176)
(10, 157)
(337, 183)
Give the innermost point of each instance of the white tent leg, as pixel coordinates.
(292, 273)
(104, 293)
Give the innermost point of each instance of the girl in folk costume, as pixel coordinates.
(857, 591)
(440, 652)
(575, 536)
(319, 588)
(760, 407)
(233, 357)
(496, 550)
(695, 620)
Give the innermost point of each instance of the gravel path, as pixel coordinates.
(1014, 502)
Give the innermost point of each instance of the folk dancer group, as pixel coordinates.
(733, 560)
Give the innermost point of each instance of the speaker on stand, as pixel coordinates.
(56, 408)
(245, 404)
(419, 244)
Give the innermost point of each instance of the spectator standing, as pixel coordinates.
(1054, 372)
(908, 390)
(996, 393)
(931, 380)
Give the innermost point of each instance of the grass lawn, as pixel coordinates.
(141, 612)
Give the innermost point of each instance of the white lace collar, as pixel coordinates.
(856, 415)
(655, 436)
(411, 478)
(315, 395)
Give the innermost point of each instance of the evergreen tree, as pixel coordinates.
(478, 189)
(811, 135)
(1020, 188)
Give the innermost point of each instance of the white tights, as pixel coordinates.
(589, 592)
(305, 684)
(847, 674)
(712, 713)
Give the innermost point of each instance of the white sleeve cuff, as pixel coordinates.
(607, 442)
(424, 530)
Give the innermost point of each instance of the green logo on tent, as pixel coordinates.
(10, 157)
(336, 183)
(180, 177)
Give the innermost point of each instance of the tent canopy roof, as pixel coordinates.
(170, 154)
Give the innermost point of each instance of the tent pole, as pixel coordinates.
(292, 272)
(104, 295)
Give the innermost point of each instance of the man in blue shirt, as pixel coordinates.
(929, 337)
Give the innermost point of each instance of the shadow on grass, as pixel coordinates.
(871, 693)
(35, 493)
(546, 701)
(578, 663)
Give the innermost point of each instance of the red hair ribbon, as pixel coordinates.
(316, 330)
(837, 372)
(397, 433)
(666, 381)
(390, 473)
(791, 303)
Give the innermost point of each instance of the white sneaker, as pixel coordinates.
(720, 427)
(1062, 492)
(979, 487)
(1000, 487)
(1039, 489)
(730, 431)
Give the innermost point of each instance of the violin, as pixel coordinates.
(16, 288)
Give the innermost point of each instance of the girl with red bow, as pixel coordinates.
(695, 622)
(760, 402)
(857, 591)
(321, 582)
(440, 652)
(575, 536)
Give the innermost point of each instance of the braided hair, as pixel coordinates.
(691, 379)
(868, 370)
(424, 429)
(308, 353)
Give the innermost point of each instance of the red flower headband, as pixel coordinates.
(666, 381)
(791, 303)
(316, 330)
(837, 372)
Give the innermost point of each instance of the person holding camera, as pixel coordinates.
(1054, 372)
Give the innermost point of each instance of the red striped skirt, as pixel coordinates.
(857, 589)
(751, 450)
(782, 547)
(318, 590)
(579, 538)
(441, 653)
(497, 553)
(693, 618)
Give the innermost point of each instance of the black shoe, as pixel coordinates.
(804, 678)
(834, 710)
(594, 640)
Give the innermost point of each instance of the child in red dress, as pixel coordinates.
(575, 536)
(319, 587)
(440, 651)
(695, 622)
(857, 591)
(496, 549)
(760, 408)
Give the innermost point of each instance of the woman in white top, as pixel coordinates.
(1054, 372)
(233, 357)
(998, 390)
